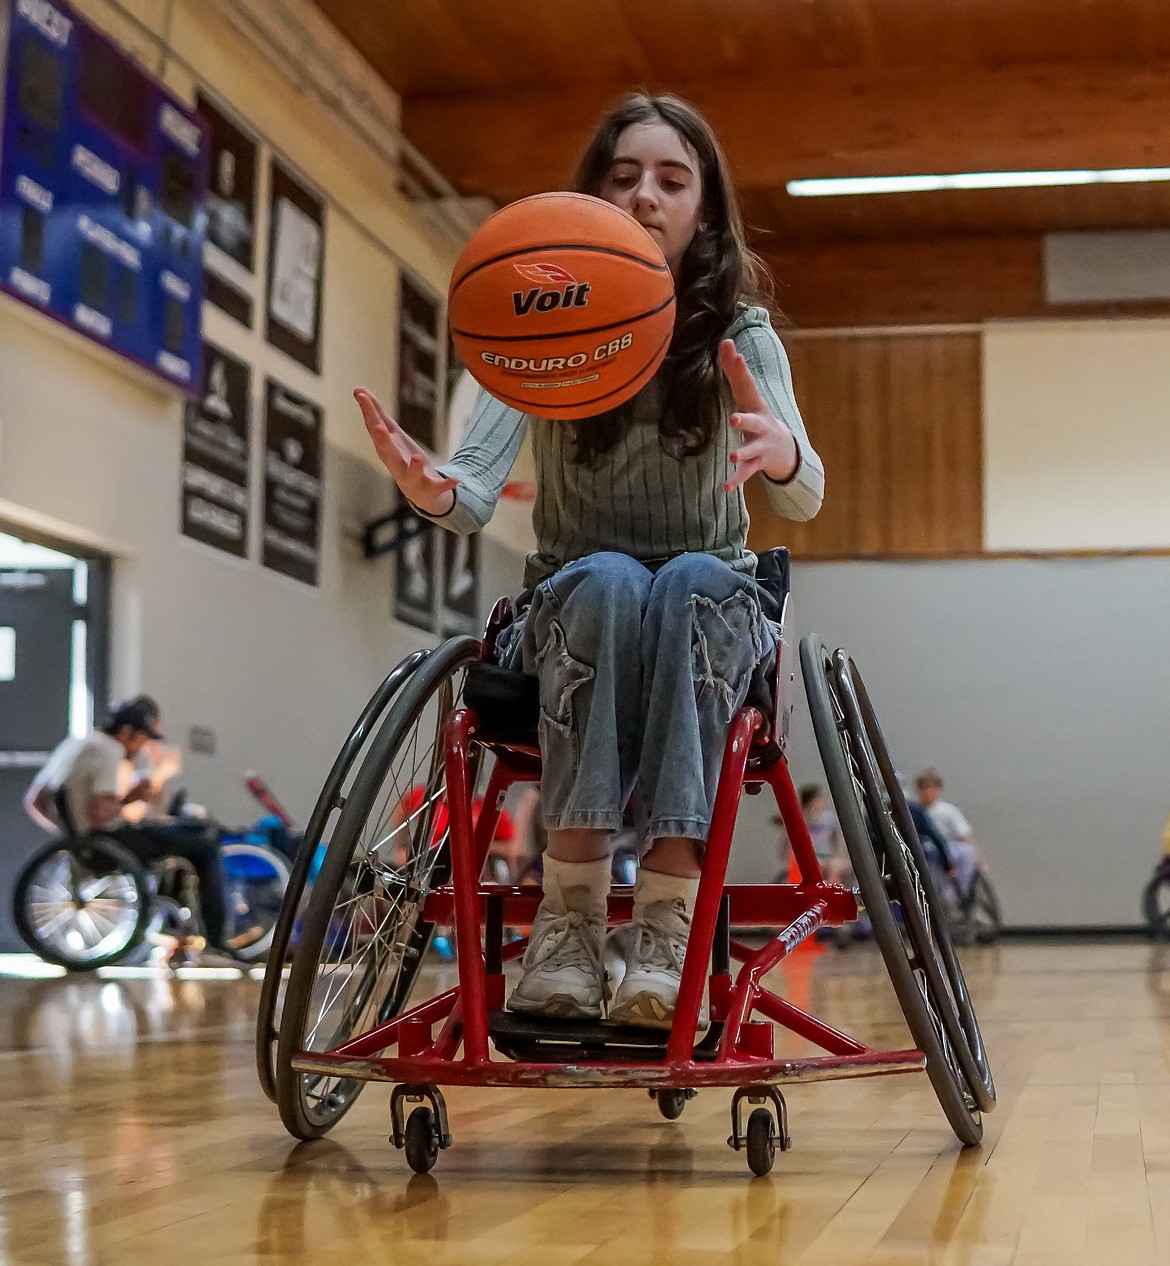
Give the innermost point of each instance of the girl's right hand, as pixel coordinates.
(408, 463)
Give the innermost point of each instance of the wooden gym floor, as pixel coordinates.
(133, 1131)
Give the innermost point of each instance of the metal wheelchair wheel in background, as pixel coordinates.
(363, 936)
(1156, 900)
(255, 881)
(322, 822)
(82, 904)
(879, 847)
(982, 913)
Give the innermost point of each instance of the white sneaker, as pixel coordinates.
(563, 973)
(648, 991)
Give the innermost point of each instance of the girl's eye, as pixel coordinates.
(673, 185)
(622, 182)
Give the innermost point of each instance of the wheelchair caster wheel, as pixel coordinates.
(761, 1142)
(765, 1131)
(422, 1140)
(425, 1131)
(672, 1102)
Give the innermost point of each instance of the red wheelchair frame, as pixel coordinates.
(448, 1039)
(737, 1050)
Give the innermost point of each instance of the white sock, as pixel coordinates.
(653, 885)
(560, 877)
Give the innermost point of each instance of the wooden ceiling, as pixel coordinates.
(502, 94)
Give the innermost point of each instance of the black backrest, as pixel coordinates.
(65, 812)
(773, 575)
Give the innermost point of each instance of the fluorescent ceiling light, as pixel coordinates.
(972, 180)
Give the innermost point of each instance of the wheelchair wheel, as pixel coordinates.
(255, 881)
(899, 896)
(363, 937)
(82, 904)
(1156, 901)
(981, 912)
(318, 832)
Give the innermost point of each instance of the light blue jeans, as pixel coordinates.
(641, 670)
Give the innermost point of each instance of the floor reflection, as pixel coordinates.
(136, 1133)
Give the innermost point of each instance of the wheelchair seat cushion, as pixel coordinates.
(505, 699)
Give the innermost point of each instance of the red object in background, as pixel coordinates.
(412, 803)
(259, 788)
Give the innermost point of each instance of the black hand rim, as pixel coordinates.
(311, 1105)
(329, 800)
(919, 901)
(953, 1094)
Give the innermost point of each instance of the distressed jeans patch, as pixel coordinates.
(560, 676)
(726, 647)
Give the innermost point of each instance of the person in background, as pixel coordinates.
(961, 857)
(81, 780)
(825, 832)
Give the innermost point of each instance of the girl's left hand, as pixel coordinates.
(768, 444)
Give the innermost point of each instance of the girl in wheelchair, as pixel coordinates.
(644, 622)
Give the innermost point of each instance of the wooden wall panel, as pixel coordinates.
(923, 281)
(897, 420)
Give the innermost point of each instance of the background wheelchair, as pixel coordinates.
(1156, 893)
(451, 717)
(85, 901)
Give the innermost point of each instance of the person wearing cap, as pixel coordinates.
(85, 773)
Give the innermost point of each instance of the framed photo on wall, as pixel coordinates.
(293, 471)
(296, 269)
(461, 580)
(231, 187)
(418, 363)
(414, 576)
(229, 252)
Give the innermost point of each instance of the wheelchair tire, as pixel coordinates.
(923, 912)
(888, 874)
(338, 959)
(1156, 902)
(322, 821)
(114, 891)
(256, 879)
(982, 914)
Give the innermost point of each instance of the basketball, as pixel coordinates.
(561, 305)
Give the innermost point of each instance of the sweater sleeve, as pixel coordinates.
(481, 465)
(799, 497)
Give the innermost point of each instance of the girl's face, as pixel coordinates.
(655, 177)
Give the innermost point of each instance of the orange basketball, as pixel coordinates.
(561, 305)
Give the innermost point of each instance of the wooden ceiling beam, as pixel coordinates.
(883, 121)
(951, 280)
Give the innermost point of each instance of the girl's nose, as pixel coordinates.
(645, 193)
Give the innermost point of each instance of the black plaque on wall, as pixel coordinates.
(216, 430)
(461, 579)
(231, 186)
(418, 363)
(414, 577)
(296, 266)
(293, 459)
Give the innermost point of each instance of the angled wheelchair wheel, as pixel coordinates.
(908, 919)
(318, 832)
(981, 910)
(1156, 901)
(363, 937)
(83, 904)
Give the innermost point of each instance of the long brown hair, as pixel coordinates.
(717, 272)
